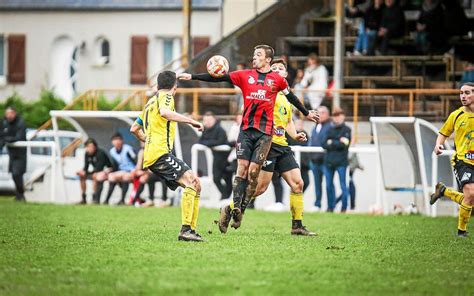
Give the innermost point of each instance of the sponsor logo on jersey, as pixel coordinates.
(279, 131)
(260, 94)
(251, 80)
(269, 82)
(469, 155)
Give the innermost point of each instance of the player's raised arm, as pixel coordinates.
(310, 115)
(174, 116)
(204, 77)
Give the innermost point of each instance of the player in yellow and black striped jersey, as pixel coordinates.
(461, 122)
(280, 160)
(156, 127)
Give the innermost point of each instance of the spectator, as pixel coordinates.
(455, 20)
(291, 71)
(372, 16)
(337, 143)
(315, 78)
(95, 161)
(14, 130)
(353, 166)
(318, 135)
(214, 135)
(124, 158)
(468, 74)
(392, 25)
(146, 177)
(305, 157)
(429, 29)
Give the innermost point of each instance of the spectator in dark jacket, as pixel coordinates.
(430, 35)
(214, 135)
(337, 143)
(317, 159)
(371, 11)
(455, 20)
(392, 24)
(95, 161)
(14, 129)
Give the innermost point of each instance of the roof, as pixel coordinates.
(15, 5)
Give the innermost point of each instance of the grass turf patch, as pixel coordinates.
(57, 250)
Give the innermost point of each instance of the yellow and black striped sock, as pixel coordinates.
(187, 205)
(454, 195)
(464, 216)
(195, 212)
(296, 206)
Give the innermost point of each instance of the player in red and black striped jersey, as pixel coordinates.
(260, 87)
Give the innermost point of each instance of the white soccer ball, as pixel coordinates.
(217, 66)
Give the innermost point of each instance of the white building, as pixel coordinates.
(72, 46)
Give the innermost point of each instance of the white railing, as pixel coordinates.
(43, 144)
(209, 157)
(434, 177)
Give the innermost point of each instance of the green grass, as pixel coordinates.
(88, 250)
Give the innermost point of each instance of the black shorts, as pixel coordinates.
(170, 169)
(464, 173)
(280, 159)
(253, 145)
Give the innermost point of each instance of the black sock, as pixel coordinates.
(124, 186)
(98, 191)
(84, 197)
(185, 228)
(151, 189)
(111, 190)
(240, 188)
(296, 223)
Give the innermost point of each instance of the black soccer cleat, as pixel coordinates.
(224, 219)
(189, 236)
(237, 216)
(439, 192)
(302, 231)
(463, 234)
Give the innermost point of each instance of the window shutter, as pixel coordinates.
(199, 44)
(138, 65)
(16, 58)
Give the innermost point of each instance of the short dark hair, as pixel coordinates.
(90, 141)
(269, 52)
(166, 80)
(117, 135)
(337, 111)
(471, 84)
(279, 61)
(210, 113)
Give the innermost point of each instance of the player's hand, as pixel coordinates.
(184, 76)
(198, 126)
(301, 137)
(313, 116)
(438, 149)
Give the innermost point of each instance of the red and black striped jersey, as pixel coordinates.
(259, 91)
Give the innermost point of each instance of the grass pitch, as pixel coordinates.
(88, 250)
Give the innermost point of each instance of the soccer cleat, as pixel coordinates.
(463, 234)
(439, 191)
(189, 236)
(237, 216)
(197, 234)
(302, 231)
(224, 219)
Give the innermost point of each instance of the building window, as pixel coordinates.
(102, 51)
(167, 51)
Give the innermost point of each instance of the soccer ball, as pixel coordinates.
(217, 66)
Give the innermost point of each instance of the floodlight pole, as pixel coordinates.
(338, 52)
(186, 33)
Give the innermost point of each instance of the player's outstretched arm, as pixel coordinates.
(439, 146)
(310, 115)
(137, 131)
(204, 77)
(173, 116)
(291, 130)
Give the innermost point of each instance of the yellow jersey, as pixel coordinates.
(282, 113)
(461, 122)
(159, 131)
